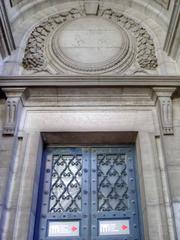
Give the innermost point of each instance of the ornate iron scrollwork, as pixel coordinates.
(112, 182)
(65, 191)
(87, 193)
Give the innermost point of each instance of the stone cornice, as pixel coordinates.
(89, 81)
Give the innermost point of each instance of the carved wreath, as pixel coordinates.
(34, 57)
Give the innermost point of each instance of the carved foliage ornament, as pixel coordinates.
(34, 53)
(146, 56)
(35, 58)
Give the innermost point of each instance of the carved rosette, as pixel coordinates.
(43, 51)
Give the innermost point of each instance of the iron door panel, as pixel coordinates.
(88, 194)
(65, 194)
(114, 193)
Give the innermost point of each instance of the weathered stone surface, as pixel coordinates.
(165, 108)
(94, 46)
(164, 3)
(56, 104)
(131, 39)
(34, 54)
(12, 109)
(176, 206)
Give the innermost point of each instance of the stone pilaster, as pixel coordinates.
(164, 95)
(171, 44)
(7, 44)
(12, 109)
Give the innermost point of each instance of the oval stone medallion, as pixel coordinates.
(90, 44)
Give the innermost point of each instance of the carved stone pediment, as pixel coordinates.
(73, 42)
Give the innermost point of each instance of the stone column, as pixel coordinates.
(10, 161)
(164, 144)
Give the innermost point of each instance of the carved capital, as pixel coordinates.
(12, 109)
(165, 108)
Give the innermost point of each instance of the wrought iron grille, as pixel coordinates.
(88, 194)
(65, 190)
(112, 182)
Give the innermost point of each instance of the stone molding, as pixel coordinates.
(165, 108)
(121, 61)
(15, 2)
(164, 3)
(12, 108)
(7, 44)
(36, 58)
(172, 41)
(51, 81)
(108, 97)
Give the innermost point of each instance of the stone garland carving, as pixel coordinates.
(146, 56)
(34, 58)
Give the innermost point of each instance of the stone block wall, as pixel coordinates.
(91, 110)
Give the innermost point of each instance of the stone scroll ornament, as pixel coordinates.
(36, 60)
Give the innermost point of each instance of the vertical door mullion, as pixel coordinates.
(44, 204)
(85, 221)
(94, 224)
(133, 194)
